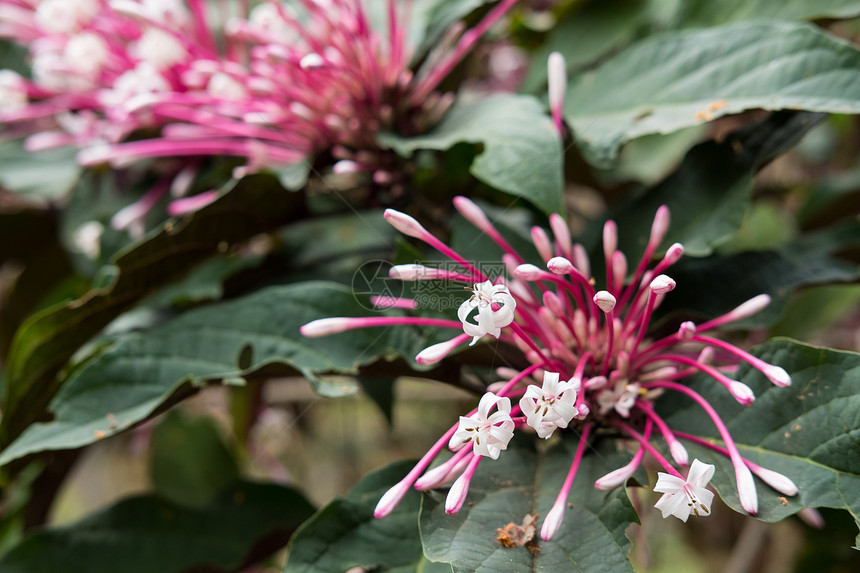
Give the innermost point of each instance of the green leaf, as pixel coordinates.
(38, 177)
(709, 194)
(344, 534)
(48, 339)
(742, 276)
(14, 56)
(598, 27)
(189, 461)
(679, 79)
(126, 383)
(523, 482)
(809, 431)
(522, 151)
(144, 534)
(708, 13)
(295, 176)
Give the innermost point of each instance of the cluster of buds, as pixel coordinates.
(592, 364)
(275, 86)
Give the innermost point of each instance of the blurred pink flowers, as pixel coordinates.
(276, 85)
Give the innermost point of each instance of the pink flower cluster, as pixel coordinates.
(125, 80)
(592, 362)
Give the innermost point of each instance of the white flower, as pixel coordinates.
(491, 433)
(144, 78)
(682, 497)
(224, 86)
(158, 48)
(551, 406)
(621, 397)
(495, 307)
(65, 16)
(86, 54)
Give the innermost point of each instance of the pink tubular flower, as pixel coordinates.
(276, 85)
(598, 342)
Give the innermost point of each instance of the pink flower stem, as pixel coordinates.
(712, 446)
(706, 406)
(580, 370)
(756, 363)
(201, 28)
(571, 474)
(517, 379)
(651, 449)
(646, 407)
(467, 40)
(610, 340)
(643, 321)
(637, 276)
(527, 339)
(709, 370)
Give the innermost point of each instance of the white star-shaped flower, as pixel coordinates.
(621, 397)
(551, 406)
(683, 497)
(495, 307)
(491, 433)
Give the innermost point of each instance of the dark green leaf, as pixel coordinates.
(189, 461)
(714, 285)
(679, 79)
(522, 151)
(709, 13)
(147, 534)
(344, 534)
(14, 57)
(48, 339)
(381, 391)
(809, 431)
(130, 380)
(709, 194)
(524, 482)
(38, 177)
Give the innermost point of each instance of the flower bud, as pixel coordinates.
(615, 478)
(528, 272)
(679, 453)
(659, 226)
(610, 238)
(542, 243)
(473, 214)
(777, 375)
(326, 326)
(559, 265)
(561, 231)
(746, 488)
(604, 300)
(741, 392)
(662, 284)
(390, 499)
(552, 522)
(405, 224)
(556, 69)
(776, 480)
(687, 330)
(436, 352)
(750, 307)
(457, 494)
